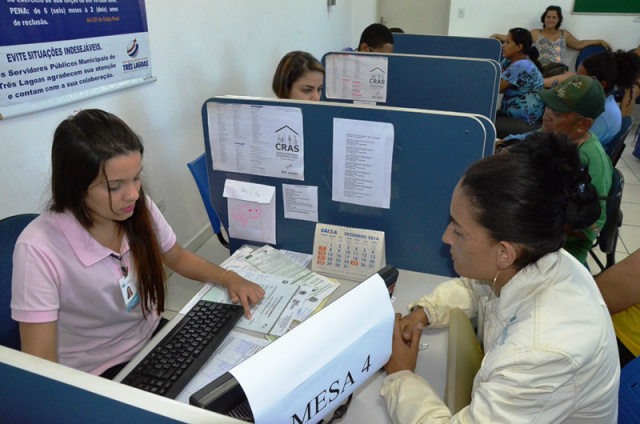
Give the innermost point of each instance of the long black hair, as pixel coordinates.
(620, 69)
(82, 144)
(522, 36)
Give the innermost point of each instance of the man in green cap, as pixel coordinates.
(571, 108)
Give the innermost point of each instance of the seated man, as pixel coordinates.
(621, 292)
(376, 38)
(571, 108)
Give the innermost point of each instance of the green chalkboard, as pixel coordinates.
(607, 6)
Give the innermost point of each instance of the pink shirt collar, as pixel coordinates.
(86, 248)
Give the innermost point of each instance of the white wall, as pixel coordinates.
(485, 17)
(426, 17)
(199, 49)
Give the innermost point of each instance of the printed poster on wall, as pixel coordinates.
(54, 52)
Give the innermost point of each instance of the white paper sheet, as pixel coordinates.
(252, 211)
(257, 140)
(314, 287)
(277, 309)
(235, 348)
(302, 259)
(300, 202)
(314, 367)
(358, 78)
(362, 158)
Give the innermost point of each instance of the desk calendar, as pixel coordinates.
(351, 253)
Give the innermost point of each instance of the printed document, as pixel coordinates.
(362, 158)
(360, 78)
(300, 202)
(277, 309)
(314, 286)
(256, 139)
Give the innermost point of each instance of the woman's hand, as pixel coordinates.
(243, 291)
(408, 324)
(403, 355)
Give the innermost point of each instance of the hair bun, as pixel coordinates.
(583, 208)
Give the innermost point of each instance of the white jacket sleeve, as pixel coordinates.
(460, 293)
(530, 387)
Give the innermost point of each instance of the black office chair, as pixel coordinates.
(617, 145)
(198, 169)
(10, 228)
(608, 238)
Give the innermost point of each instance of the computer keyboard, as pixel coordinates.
(173, 362)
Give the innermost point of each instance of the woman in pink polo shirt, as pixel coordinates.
(88, 283)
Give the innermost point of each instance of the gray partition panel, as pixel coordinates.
(431, 152)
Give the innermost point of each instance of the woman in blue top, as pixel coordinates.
(521, 108)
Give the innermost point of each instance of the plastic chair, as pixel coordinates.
(629, 395)
(198, 169)
(10, 228)
(608, 238)
(464, 357)
(588, 51)
(617, 145)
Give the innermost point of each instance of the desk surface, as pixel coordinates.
(367, 405)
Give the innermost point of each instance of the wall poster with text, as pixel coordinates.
(54, 52)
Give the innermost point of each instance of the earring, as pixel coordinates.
(493, 285)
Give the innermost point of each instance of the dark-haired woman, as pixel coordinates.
(552, 42)
(102, 238)
(299, 76)
(545, 361)
(521, 108)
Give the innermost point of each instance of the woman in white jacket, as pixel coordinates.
(550, 347)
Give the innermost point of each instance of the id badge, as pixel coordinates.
(129, 292)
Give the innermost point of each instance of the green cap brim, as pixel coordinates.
(553, 102)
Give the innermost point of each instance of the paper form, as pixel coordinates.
(362, 158)
(357, 77)
(315, 287)
(257, 140)
(234, 349)
(277, 309)
(302, 259)
(300, 202)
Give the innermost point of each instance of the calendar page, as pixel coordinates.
(344, 252)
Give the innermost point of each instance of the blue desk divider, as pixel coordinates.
(446, 45)
(35, 391)
(432, 149)
(455, 84)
